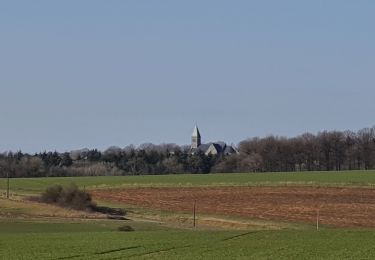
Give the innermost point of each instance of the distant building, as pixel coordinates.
(215, 148)
(195, 138)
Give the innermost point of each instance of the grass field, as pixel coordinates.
(39, 231)
(99, 241)
(351, 178)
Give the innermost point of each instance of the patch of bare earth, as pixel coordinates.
(342, 207)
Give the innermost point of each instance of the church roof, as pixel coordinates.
(220, 147)
(196, 132)
(229, 150)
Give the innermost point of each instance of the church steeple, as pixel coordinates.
(195, 138)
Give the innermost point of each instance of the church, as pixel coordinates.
(217, 148)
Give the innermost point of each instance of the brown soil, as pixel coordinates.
(343, 207)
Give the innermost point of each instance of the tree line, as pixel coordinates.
(327, 150)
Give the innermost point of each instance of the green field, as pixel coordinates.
(89, 241)
(353, 178)
(40, 231)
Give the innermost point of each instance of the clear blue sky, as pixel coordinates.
(77, 74)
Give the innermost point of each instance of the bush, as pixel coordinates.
(52, 194)
(125, 228)
(70, 197)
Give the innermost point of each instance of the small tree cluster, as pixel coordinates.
(326, 151)
(69, 196)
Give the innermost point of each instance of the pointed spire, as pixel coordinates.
(195, 138)
(196, 132)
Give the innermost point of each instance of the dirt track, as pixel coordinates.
(349, 207)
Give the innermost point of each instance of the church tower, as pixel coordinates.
(195, 138)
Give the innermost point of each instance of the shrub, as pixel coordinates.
(125, 228)
(70, 196)
(52, 194)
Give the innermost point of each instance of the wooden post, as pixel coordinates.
(194, 213)
(7, 184)
(317, 219)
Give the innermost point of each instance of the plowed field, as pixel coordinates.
(344, 207)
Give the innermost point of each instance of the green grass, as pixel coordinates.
(356, 178)
(46, 226)
(95, 241)
(21, 227)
